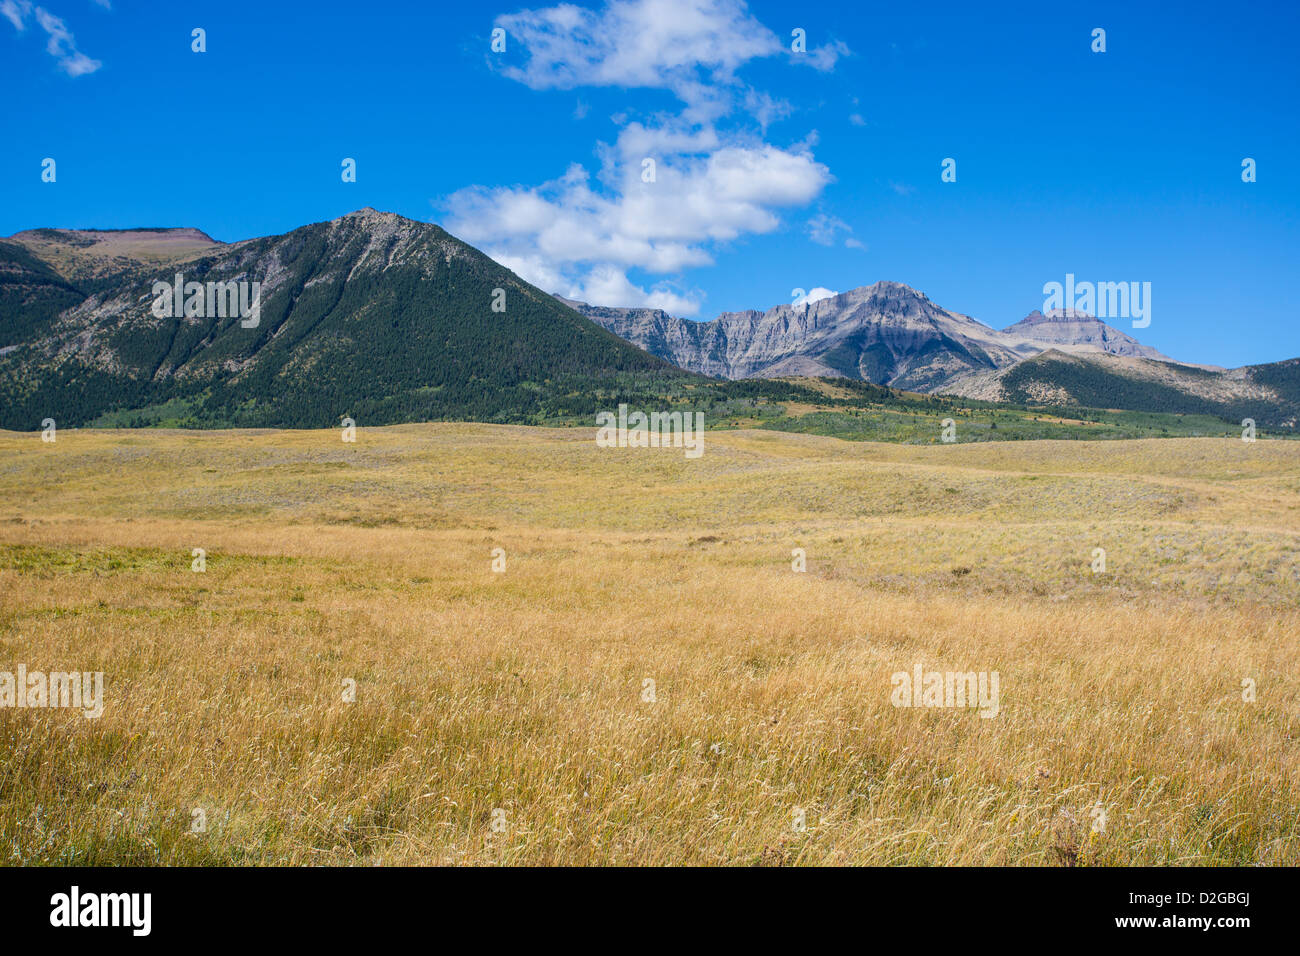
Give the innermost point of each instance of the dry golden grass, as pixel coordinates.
(522, 691)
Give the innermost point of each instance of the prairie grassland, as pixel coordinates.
(1123, 734)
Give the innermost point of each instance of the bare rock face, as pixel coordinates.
(1073, 332)
(886, 333)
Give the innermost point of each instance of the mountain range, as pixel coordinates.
(886, 333)
(384, 319)
(891, 334)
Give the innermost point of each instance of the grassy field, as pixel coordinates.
(505, 717)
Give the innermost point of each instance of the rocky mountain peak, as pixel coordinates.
(1057, 315)
(368, 214)
(1073, 331)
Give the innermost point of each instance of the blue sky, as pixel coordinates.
(774, 170)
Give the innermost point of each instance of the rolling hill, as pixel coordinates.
(1268, 394)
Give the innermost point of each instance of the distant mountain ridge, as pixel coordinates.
(80, 254)
(1072, 331)
(885, 333)
(890, 334)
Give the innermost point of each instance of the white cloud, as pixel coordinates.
(16, 11)
(606, 285)
(687, 46)
(814, 295)
(61, 44)
(765, 109)
(823, 229)
(566, 235)
(78, 64)
(823, 57)
(581, 233)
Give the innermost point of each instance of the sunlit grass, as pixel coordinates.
(523, 691)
